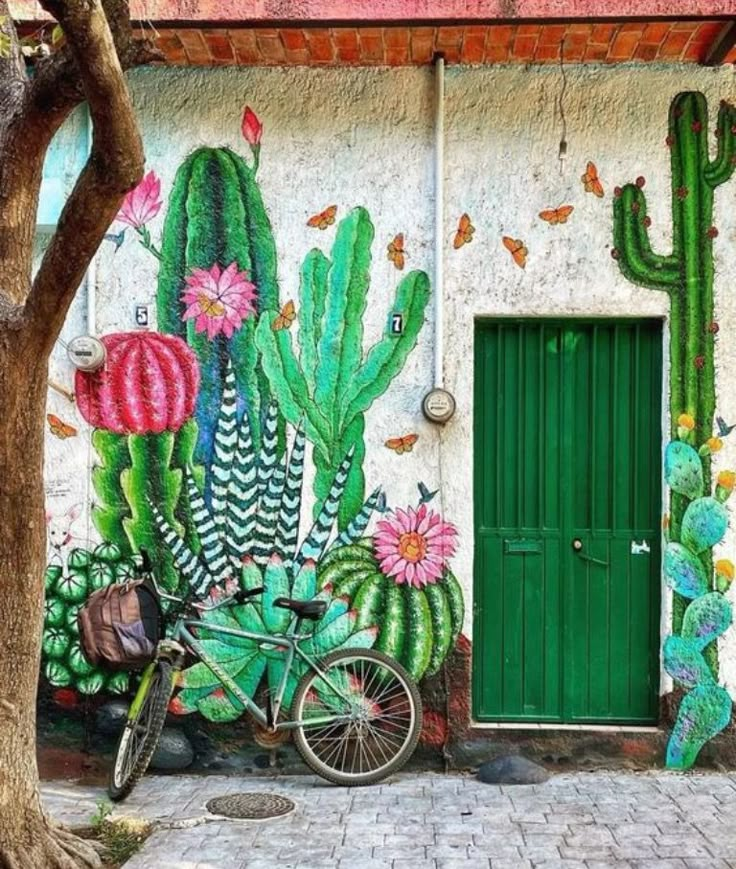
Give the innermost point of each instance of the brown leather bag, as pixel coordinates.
(120, 626)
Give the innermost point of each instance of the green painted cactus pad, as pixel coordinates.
(704, 712)
(684, 572)
(704, 524)
(683, 469)
(706, 619)
(685, 663)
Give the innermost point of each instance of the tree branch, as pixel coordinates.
(114, 166)
(57, 87)
(13, 79)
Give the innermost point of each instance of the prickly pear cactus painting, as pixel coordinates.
(204, 431)
(697, 518)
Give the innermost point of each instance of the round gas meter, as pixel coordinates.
(86, 353)
(438, 405)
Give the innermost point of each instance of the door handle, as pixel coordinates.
(577, 545)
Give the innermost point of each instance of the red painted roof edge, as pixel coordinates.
(321, 12)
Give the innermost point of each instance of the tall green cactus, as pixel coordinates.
(332, 383)
(216, 215)
(687, 272)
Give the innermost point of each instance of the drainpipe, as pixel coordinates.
(91, 276)
(439, 214)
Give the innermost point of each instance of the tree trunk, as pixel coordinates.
(28, 840)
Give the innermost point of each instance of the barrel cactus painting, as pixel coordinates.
(400, 581)
(141, 405)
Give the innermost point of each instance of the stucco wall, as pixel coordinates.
(364, 137)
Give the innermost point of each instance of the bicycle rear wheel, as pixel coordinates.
(367, 713)
(142, 730)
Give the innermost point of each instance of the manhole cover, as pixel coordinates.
(250, 806)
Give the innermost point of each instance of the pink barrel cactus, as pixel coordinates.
(148, 385)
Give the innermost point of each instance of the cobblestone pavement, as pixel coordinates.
(575, 821)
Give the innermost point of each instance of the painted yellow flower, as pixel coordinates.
(715, 444)
(725, 568)
(684, 420)
(727, 479)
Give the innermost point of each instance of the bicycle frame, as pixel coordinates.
(182, 632)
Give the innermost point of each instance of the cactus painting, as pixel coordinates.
(216, 234)
(67, 587)
(332, 382)
(697, 520)
(249, 536)
(204, 431)
(686, 273)
(141, 406)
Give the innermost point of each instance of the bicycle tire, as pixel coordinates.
(302, 735)
(154, 706)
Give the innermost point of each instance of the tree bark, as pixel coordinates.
(32, 313)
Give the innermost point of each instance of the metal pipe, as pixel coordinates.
(91, 275)
(439, 214)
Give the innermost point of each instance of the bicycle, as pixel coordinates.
(356, 715)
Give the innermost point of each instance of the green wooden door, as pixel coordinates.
(567, 521)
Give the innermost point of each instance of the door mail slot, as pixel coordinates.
(522, 547)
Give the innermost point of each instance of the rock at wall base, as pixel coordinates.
(174, 751)
(110, 718)
(512, 770)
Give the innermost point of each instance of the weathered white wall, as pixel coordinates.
(364, 137)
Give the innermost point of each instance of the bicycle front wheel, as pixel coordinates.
(142, 729)
(366, 717)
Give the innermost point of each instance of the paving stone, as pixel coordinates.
(626, 820)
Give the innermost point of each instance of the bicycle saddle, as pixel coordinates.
(305, 609)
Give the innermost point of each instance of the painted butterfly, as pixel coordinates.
(324, 218)
(396, 252)
(553, 216)
(517, 249)
(591, 181)
(285, 318)
(60, 429)
(464, 234)
(403, 444)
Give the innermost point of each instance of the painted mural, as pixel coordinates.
(204, 431)
(698, 518)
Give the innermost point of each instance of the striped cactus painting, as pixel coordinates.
(249, 536)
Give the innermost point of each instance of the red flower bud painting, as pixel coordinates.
(252, 128)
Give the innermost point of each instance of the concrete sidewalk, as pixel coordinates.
(428, 820)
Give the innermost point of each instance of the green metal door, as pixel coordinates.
(567, 507)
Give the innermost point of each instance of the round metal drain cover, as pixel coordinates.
(251, 806)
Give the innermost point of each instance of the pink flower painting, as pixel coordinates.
(143, 203)
(413, 546)
(218, 301)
